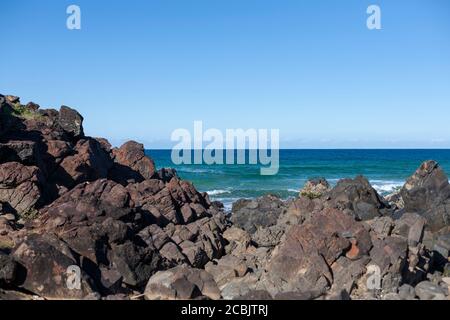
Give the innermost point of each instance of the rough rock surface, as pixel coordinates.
(181, 283)
(357, 197)
(427, 192)
(260, 212)
(303, 261)
(315, 188)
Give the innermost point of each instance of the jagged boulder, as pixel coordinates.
(315, 188)
(302, 262)
(427, 192)
(89, 162)
(8, 269)
(21, 151)
(71, 121)
(358, 198)
(19, 186)
(131, 163)
(45, 269)
(260, 212)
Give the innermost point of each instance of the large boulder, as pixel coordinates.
(8, 269)
(88, 163)
(19, 187)
(181, 283)
(302, 262)
(427, 192)
(71, 121)
(427, 290)
(358, 198)
(131, 163)
(21, 151)
(46, 269)
(259, 212)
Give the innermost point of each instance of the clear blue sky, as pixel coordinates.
(140, 69)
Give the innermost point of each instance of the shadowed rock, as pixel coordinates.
(358, 198)
(71, 121)
(427, 192)
(131, 163)
(260, 212)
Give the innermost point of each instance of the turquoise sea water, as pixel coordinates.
(387, 170)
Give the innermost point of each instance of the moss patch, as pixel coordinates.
(30, 214)
(20, 111)
(6, 243)
(311, 195)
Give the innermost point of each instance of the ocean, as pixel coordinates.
(387, 170)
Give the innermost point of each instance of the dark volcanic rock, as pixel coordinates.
(98, 222)
(19, 186)
(71, 121)
(131, 163)
(303, 261)
(8, 269)
(46, 262)
(427, 192)
(88, 163)
(19, 151)
(260, 212)
(70, 202)
(357, 197)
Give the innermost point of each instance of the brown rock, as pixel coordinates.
(71, 122)
(181, 283)
(19, 186)
(132, 163)
(90, 162)
(427, 192)
(46, 261)
(302, 261)
(357, 197)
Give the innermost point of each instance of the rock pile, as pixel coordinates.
(72, 200)
(73, 207)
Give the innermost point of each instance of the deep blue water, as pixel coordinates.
(387, 170)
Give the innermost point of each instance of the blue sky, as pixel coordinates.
(140, 69)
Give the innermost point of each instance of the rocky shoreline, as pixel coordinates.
(136, 232)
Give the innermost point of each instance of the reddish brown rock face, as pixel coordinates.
(353, 253)
(88, 163)
(302, 262)
(44, 267)
(19, 186)
(131, 163)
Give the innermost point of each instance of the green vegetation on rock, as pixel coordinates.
(21, 111)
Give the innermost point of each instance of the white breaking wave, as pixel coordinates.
(385, 187)
(217, 192)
